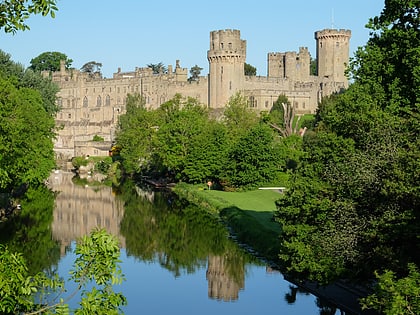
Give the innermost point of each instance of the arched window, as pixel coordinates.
(85, 102)
(107, 100)
(98, 101)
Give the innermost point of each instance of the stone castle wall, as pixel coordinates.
(91, 105)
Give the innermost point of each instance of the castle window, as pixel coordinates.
(266, 104)
(69, 115)
(107, 100)
(303, 105)
(230, 45)
(59, 102)
(85, 102)
(337, 44)
(73, 103)
(221, 70)
(296, 104)
(230, 85)
(98, 101)
(221, 45)
(68, 103)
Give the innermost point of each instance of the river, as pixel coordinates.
(176, 258)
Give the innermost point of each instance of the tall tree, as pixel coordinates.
(92, 68)
(157, 68)
(50, 61)
(353, 205)
(195, 73)
(249, 69)
(14, 13)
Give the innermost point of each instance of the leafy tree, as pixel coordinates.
(183, 121)
(195, 73)
(249, 69)
(26, 135)
(135, 135)
(208, 155)
(97, 261)
(30, 79)
(252, 160)
(313, 67)
(238, 117)
(394, 296)
(92, 68)
(14, 13)
(50, 61)
(157, 68)
(353, 203)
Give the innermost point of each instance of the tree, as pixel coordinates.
(50, 61)
(352, 207)
(282, 117)
(313, 67)
(26, 135)
(195, 73)
(249, 69)
(238, 117)
(184, 119)
(135, 135)
(157, 68)
(97, 261)
(92, 68)
(29, 79)
(14, 13)
(252, 160)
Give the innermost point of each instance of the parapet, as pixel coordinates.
(326, 33)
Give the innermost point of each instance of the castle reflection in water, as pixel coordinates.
(80, 209)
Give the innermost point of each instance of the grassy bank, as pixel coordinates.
(249, 214)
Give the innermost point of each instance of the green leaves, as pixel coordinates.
(14, 13)
(98, 261)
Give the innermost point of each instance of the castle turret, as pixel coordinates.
(226, 64)
(332, 53)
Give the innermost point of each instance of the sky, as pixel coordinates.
(134, 33)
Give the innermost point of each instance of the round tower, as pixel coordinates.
(332, 53)
(226, 66)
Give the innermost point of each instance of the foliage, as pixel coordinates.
(50, 61)
(26, 135)
(30, 79)
(252, 160)
(157, 68)
(14, 13)
(352, 206)
(313, 67)
(92, 68)
(195, 73)
(394, 296)
(238, 117)
(97, 138)
(249, 69)
(98, 261)
(184, 120)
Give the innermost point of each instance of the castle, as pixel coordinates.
(90, 105)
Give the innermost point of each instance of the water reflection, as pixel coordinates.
(79, 209)
(182, 238)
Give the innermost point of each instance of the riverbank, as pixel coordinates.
(249, 216)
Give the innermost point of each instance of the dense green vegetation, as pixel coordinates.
(353, 201)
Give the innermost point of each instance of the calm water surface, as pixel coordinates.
(176, 258)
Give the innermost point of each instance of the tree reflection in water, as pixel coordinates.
(182, 238)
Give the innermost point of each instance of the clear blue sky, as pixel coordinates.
(134, 33)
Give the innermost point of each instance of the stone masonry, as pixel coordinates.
(90, 105)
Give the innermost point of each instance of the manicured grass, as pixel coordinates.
(248, 213)
(256, 200)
